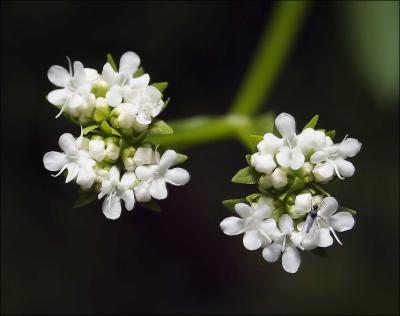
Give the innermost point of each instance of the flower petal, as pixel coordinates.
(73, 171)
(286, 125)
(345, 168)
(54, 161)
(85, 178)
(283, 157)
(58, 76)
(329, 206)
(324, 238)
(323, 172)
(268, 227)
(59, 96)
(232, 226)
(79, 73)
(114, 96)
(145, 173)
(129, 63)
(291, 259)
(297, 159)
(129, 200)
(263, 163)
(177, 176)
(109, 75)
(243, 210)
(143, 156)
(142, 192)
(168, 159)
(342, 221)
(270, 144)
(143, 118)
(75, 101)
(140, 82)
(68, 144)
(114, 174)
(286, 224)
(128, 179)
(262, 210)
(158, 189)
(91, 74)
(97, 149)
(112, 207)
(350, 147)
(319, 156)
(251, 240)
(272, 252)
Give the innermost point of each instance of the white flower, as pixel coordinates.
(277, 179)
(331, 159)
(263, 160)
(122, 82)
(154, 177)
(257, 231)
(316, 232)
(76, 161)
(115, 190)
(282, 244)
(303, 203)
(76, 86)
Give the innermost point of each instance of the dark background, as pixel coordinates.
(60, 260)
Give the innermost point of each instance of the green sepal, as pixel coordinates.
(331, 133)
(312, 122)
(111, 61)
(106, 128)
(346, 209)
(151, 205)
(250, 198)
(181, 159)
(247, 175)
(85, 198)
(160, 86)
(159, 127)
(90, 128)
(139, 72)
(101, 114)
(165, 104)
(230, 204)
(248, 159)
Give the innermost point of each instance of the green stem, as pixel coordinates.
(271, 54)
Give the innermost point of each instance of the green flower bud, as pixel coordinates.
(100, 88)
(265, 181)
(102, 110)
(127, 158)
(278, 178)
(112, 152)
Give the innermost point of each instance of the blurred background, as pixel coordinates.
(59, 260)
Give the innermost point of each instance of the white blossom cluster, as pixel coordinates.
(292, 212)
(112, 158)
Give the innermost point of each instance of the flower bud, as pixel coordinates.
(265, 181)
(101, 170)
(127, 158)
(83, 142)
(112, 152)
(279, 178)
(100, 88)
(102, 110)
(97, 149)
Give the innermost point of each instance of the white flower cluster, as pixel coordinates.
(292, 212)
(113, 141)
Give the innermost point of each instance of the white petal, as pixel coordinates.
(272, 252)
(268, 227)
(68, 144)
(232, 226)
(142, 192)
(345, 168)
(139, 82)
(143, 118)
(129, 200)
(158, 189)
(144, 173)
(323, 171)
(303, 201)
(153, 93)
(283, 157)
(270, 144)
(251, 240)
(54, 161)
(97, 149)
(291, 259)
(286, 224)
(114, 174)
(59, 96)
(91, 74)
(73, 171)
(143, 156)
(129, 63)
(128, 179)
(168, 159)
(114, 96)
(157, 108)
(286, 125)
(58, 76)
(319, 156)
(329, 206)
(324, 238)
(297, 159)
(350, 147)
(75, 101)
(177, 176)
(85, 178)
(112, 207)
(262, 210)
(243, 210)
(342, 221)
(263, 163)
(109, 75)
(79, 73)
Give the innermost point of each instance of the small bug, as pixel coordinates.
(312, 216)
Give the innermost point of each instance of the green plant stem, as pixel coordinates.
(272, 52)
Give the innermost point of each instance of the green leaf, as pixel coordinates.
(246, 175)
(106, 128)
(181, 158)
(346, 209)
(139, 72)
(159, 127)
(111, 61)
(250, 198)
(165, 104)
(331, 134)
(230, 204)
(151, 205)
(161, 86)
(90, 128)
(248, 159)
(84, 199)
(312, 122)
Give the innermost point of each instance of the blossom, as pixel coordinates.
(277, 179)
(303, 203)
(317, 233)
(77, 162)
(257, 231)
(100, 150)
(282, 244)
(117, 189)
(155, 176)
(331, 159)
(75, 85)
